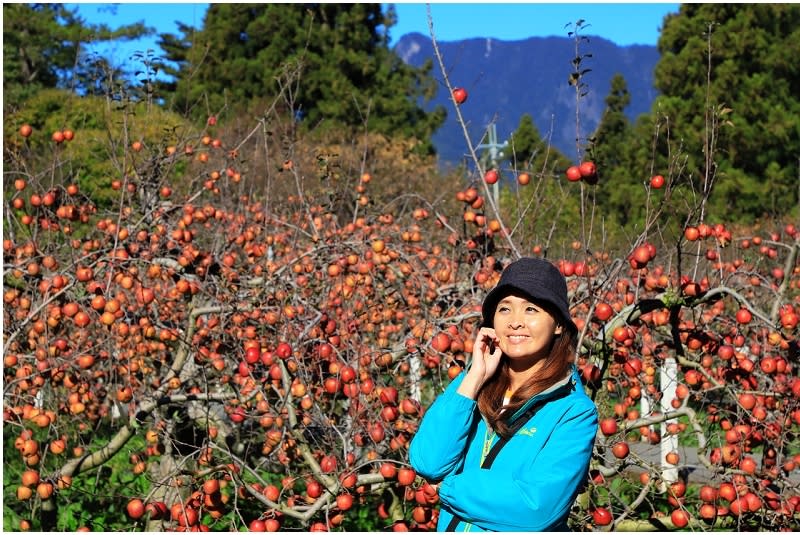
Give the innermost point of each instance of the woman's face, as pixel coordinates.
(525, 330)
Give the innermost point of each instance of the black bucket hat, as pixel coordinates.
(540, 281)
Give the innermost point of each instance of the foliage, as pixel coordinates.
(99, 155)
(542, 205)
(96, 499)
(529, 152)
(330, 58)
(42, 47)
(610, 148)
(729, 85)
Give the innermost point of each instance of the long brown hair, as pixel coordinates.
(554, 369)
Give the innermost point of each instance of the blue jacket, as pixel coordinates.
(534, 479)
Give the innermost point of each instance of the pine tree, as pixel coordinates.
(610, 147)
(730, 80)
(330, 61)
(529, 152)
(43, 43)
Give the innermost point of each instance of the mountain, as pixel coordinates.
(506, 79)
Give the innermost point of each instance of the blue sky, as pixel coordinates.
(622, 23)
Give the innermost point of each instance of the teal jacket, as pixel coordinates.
(535, 477)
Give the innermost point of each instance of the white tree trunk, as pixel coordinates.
(415, 376)
(645, 407)
(669, 383)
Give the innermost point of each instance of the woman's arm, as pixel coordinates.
(441, 440)
(529, 496)
(485, 359)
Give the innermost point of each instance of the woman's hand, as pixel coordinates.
(485, 359)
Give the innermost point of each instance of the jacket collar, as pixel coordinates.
(559, 389)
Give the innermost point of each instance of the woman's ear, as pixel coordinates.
(559, 330)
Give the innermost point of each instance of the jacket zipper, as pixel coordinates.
(488, 439)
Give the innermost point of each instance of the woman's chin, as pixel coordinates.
(519, 354)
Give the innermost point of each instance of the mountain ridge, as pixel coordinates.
(505, 79)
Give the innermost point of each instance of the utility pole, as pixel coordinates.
(495, 153)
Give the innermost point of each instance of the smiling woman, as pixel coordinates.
(524, 335)
(518, 421)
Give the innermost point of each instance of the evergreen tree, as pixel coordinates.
(42, 48)
(529, 152)
(331, 60)
(547, 201)
(610, 148)
(730, 80)
(613, 132)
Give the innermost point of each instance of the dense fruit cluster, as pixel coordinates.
(279, 356)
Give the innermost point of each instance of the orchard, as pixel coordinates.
(231, 334)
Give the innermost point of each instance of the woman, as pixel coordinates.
(511, 438)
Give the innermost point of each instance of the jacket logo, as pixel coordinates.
(527, 432)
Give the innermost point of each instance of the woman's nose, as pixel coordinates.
(514, 321)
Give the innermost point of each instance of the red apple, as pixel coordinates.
(252, 355)
(608, 426)
(135, 508)
(744, 316)
(601, 516)
(680, 518)
(603, 311)
(314, 489)
(257, 525)
(328, 464)
(573, 173)
(691, 233)
(344, 501)
(587, 169)
(406, 476)
(348, 374)
(388, 470)
(284, 350)
(388, 395)
(441, 342)
(642, 254)
(708, 512)
(620, 450)
(708, 494)
(657, 182)
(156, 510)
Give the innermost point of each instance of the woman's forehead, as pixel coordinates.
(520, 298)
(516, 297)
